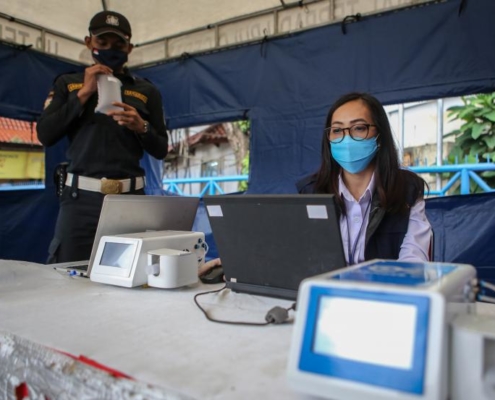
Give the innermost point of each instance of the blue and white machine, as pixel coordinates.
(378, 330)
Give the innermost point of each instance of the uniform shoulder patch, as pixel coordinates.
(48, 100)
(137, 95)
(74, 86)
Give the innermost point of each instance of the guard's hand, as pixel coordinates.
(128, 117)
(90, 76)
(90, 81)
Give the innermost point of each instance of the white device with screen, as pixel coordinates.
(473, 357)
(122, 259)
(378, 330)
(136, 213)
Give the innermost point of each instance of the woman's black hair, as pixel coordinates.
(392, 182)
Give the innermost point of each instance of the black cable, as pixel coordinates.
(348, 19)
(185, 56)
(263, 45)
(277, 315)
(462, 6)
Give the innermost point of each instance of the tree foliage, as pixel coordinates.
(475, 139)
(245, 127)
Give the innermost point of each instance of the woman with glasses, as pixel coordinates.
(382, 209)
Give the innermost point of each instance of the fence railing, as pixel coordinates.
(211, 184)
(21, 186)
(464, 173)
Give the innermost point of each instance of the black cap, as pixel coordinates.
(110, 22)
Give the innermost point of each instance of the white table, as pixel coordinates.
(156, 336)
(159, 337)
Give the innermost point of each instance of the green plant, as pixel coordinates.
(475, 139)
(245, 127)
(244, 171)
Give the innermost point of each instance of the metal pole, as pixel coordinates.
(464, 181)
(401, 133)
(439, 140)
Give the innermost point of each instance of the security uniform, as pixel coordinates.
(103, 156)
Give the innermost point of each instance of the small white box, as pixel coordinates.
(169, 268)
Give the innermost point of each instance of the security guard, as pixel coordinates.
(104, 149)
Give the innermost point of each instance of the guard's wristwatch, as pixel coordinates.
(146, 127)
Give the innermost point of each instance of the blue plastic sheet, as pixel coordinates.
(464, 228)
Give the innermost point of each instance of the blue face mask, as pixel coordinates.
(114, 59)
(352, 155)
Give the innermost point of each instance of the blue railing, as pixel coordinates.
(211, 184)
(21, 186)
(462, 172)
(465, 173)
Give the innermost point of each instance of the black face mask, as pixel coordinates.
(114, 59)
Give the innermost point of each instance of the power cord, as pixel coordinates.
(279, 315)
(276, 315)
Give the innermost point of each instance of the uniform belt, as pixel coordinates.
(104, 185)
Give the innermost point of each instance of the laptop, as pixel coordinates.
(121, 214)
(269, 243)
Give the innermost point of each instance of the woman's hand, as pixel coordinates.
(209, 265)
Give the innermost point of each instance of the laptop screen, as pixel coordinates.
(269, 243)
(122, 214)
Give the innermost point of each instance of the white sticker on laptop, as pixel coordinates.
(317, 212)
(214, 211)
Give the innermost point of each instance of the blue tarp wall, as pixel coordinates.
(28, 216)
(284, 86)
(464, 229)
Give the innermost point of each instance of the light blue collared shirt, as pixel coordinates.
(416, 244)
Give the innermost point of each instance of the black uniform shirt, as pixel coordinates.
(98, 146)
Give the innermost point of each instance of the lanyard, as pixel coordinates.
(352, 253)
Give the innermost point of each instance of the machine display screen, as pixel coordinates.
(373, 332)
(377, 338)
(119, 255)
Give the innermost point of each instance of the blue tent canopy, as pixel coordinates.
(284, 85)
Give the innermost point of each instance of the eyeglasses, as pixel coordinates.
(357, 132)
